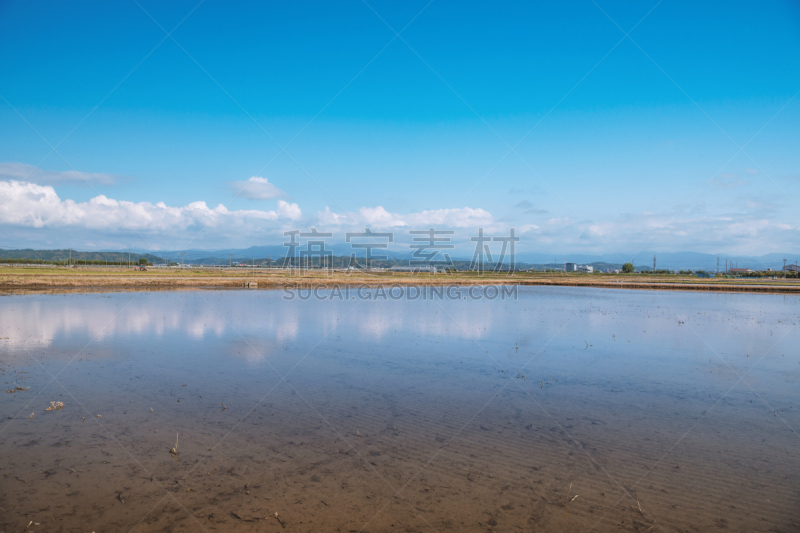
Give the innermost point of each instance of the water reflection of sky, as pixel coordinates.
(627, 373)
(655, 337)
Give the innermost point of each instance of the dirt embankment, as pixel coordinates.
(38, 279)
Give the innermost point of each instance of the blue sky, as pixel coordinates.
(619, 143)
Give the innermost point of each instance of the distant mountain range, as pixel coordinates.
(667, 260)
(670, 260)
(642, 260)
(64, 255)
(266, 252)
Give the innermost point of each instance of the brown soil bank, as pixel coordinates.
(15, 278)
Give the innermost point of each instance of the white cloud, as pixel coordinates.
(744, 233)
(33, 215)
(38, 206)
(379, 218)
(257, 188)
(290, 211)
(527, 228)
(464, 217)
(32, 174)
(38, 216)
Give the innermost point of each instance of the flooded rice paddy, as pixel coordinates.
(566, 409)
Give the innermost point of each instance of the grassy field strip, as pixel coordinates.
(15, 278)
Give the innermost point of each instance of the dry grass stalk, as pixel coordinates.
(174, 450)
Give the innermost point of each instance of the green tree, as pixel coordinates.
(627, 268)
(142, 261)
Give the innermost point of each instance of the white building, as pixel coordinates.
(575, 267)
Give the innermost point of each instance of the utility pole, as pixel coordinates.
(230, 260)
(717, 265)
(726, 265)
(784, 267)
(654, 264)
(129, 257)
(183, 259)
(70, 257)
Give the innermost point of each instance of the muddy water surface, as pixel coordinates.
(562, 410)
